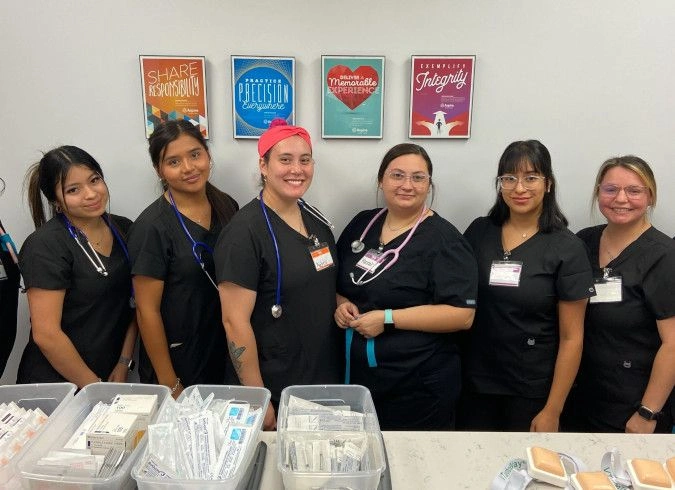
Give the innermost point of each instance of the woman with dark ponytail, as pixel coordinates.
(77, 274)
(171, 249)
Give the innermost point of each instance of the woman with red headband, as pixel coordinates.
(276, 272)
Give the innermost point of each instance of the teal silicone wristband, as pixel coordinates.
(389, 320)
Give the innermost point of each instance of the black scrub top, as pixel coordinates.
(621, 339)
(435, 267)
(190, 306)
(96, 311)
(9, 300)
(303, 345)
(513, 343)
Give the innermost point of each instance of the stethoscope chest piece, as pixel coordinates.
(357, 246)
(276, 311)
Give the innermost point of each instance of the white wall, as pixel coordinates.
(589, 79)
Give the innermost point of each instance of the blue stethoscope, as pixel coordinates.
(358, 246)
(94, 258)
(196, 246)
(276, 307)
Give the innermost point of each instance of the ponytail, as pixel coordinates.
(32, 183)
(222, 204)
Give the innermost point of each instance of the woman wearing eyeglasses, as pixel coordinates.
(407, 279)
(275, 264)
(171, 249)
(524, 348)
(628, 367)
(76, 271)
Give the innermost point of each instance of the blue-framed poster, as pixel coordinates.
(352, 100)
(263, 88)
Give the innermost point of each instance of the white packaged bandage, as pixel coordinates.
(237, 440)
(153, 468)
(236, 412)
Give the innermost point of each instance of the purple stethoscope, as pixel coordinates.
(358, 246)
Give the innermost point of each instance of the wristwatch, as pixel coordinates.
(647, 413)
(129, 363)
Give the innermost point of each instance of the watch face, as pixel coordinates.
(645, 413)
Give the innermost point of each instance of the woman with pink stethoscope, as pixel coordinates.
(407, 278)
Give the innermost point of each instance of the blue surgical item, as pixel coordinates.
(277, 310)
(358, 246)
(196, 246)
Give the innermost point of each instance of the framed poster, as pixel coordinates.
(441, 96)
(352, 99)
(174, 88)
(263, 88)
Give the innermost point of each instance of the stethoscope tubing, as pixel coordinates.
(395, 252)
(277, 308)
(195, 244)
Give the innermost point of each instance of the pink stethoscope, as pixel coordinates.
(358, 246)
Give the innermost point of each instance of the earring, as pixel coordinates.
(57, 207)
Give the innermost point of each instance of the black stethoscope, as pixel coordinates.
(94, 258)
(358, 246)
(276, 307)
(196, 246)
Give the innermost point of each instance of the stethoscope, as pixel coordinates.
(276, 307)
(358, 246)
(94, 258)
(195, 244)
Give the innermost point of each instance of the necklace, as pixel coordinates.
(404, 225)
(526, 233)
(622, 247)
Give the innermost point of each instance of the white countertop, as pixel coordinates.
(470, 460)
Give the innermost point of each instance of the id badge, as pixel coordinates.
(607, 290)
(3, 272)
(321, 256)
(505, 273)
(370, 261)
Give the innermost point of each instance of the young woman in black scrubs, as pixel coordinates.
(627, 371)
(9, 292)
(171, 247)
(76, 271)
(398, 315)
(276, 275)
(524, 348)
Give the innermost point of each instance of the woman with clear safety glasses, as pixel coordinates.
(407, 279)
(534, 280)
(76, 271)
(275, 264)
(627, 370)
(171, 247)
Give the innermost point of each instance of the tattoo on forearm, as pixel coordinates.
(235, 354)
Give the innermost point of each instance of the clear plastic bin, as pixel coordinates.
(359, 400)
(51, 398)
(66, 423)
(252, 395)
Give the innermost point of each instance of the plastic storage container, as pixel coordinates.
(51, 398)
(252, 395)
(359, 400)
(66, 423)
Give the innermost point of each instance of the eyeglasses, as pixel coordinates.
(417, 178)
(529, 182)
(631, 191)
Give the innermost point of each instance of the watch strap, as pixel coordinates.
(389, 320)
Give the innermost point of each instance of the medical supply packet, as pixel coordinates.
(328, 436)
(206, 439)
